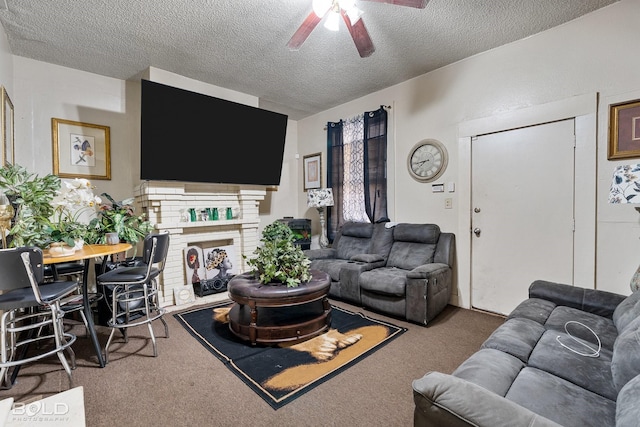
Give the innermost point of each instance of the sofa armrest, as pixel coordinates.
(350, 279)
(325, 253)
(445, 400)
(369, 258)
(427, 292)
(594, 301)
(425, 270)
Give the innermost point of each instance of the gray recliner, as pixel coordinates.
(405, 270)
(416, 281)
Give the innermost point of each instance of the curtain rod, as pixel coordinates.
(387, 107)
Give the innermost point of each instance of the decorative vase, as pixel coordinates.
(59, 249)
(112, 238)
(79, 243)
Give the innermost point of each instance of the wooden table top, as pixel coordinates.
(87, 252)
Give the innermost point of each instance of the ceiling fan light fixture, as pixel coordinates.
(332, 23)
(321, 7)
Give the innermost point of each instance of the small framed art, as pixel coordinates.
(81, 150)
(624, 130)
(7, 129)
(312, 171)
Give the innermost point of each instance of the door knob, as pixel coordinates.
(477, 232)
(476, 210)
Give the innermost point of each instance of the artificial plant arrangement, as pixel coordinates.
(278, 259)
(118, 217)
(71, 202)
(31, 196)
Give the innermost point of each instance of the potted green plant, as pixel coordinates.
(278, 260)
(118, 217)
(31, 196)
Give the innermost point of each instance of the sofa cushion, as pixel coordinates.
(413, 245)
(490, 369)
(591, 373)
(625, 363)
(384, 280)
(627, 311)
(516, 337)
(535, 309)
(330, 266)
(560, 400)
(602, 326)
(355, 238)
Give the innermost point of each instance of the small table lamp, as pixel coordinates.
(625, 188)
(320, 198)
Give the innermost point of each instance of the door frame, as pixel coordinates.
(583, 109)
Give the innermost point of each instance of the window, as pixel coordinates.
(357, 169)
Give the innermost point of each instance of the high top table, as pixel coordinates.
(271, 314)
(87, 253)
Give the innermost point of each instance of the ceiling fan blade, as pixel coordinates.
(419, 4)
(303, 31)
(360, 35)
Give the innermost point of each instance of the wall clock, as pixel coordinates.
(427, 160)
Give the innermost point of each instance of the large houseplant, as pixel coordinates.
(278, 259)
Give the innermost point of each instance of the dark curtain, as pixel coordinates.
(335, 176)
(375, 165)
(375, 169)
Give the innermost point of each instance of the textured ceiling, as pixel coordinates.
(241, 44)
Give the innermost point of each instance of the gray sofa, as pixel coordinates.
(404, 270)
(541, 368)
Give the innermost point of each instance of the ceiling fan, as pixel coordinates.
(352, 16)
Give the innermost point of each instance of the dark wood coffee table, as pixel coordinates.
(271, 314)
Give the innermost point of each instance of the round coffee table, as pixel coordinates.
(271, 314)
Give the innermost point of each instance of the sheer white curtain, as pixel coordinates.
(353, 207)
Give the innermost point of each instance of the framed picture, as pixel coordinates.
(624, 130)
(81, 150)
(312, 171)
(7, 128)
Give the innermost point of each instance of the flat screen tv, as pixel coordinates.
(191, 137)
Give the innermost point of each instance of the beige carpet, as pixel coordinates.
(185, 385)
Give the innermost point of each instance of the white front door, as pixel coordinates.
(522, 202)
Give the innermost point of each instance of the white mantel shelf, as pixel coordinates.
(166, 202)
(210, 223)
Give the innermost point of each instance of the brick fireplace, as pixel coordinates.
(167, 205)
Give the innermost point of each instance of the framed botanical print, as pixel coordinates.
(312, 170)
(7, 129)
(81, 150)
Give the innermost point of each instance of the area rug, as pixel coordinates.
(280, 374)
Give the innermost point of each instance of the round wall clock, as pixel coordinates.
(427, 160)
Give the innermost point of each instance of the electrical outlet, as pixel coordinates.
(448, 203)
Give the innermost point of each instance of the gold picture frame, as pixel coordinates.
(624, 130)
(8, 154)
(312, 171)
(81, 150)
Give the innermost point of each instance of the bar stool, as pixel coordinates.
(29, 304)
(134, 291)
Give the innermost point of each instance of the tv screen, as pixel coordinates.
(191, 137)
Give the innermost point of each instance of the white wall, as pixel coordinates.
(6, 64)
(594, 53)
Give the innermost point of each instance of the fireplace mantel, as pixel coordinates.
(166, 204)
